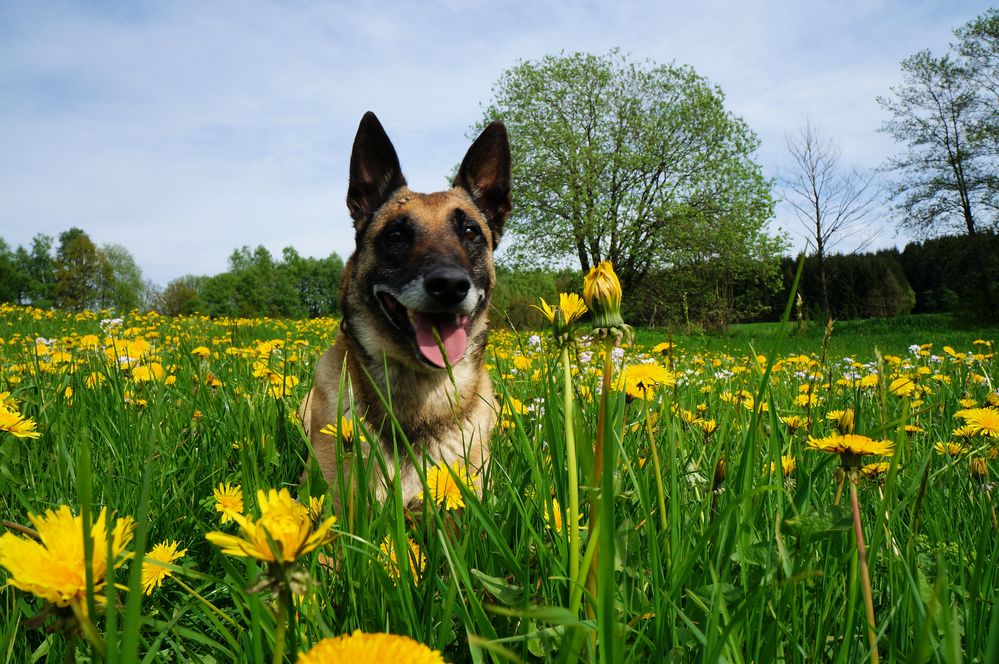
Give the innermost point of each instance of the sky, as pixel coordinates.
(184, 130)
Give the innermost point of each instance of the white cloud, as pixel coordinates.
(186, 130)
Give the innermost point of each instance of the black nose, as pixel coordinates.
(447, 285)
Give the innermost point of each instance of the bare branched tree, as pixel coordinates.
(831, 204)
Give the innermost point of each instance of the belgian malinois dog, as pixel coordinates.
(414, 300)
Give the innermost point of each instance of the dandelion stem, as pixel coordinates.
(598, 466)
(657, 466)
(865, 578)
(284, 603)
(89, 630)
(570, 441)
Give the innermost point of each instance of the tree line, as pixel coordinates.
(928, 276)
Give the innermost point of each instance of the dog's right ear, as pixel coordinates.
(374, 169)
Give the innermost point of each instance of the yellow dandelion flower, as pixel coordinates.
(794, 422)
(638, 380)
(664, 348)
(444, 489)
(362, 648)
(985, 420)
(344, 432)
(147, 372)
(876, 469)
(16, 424)
(153, 572)
(951, 448)
(788, 464)
(53, 568)
(228, 500)
(417, 561)
(202, 352)
(851, 447)
(903, 386)
(282, 534)
(559, 517)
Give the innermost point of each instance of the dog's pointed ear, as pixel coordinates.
(485, 175)
(374, 169)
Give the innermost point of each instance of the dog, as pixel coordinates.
(414, 301)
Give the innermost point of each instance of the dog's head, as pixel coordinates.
(420, 279)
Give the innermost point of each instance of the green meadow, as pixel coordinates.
(721, 528)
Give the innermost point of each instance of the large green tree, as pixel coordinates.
(634, 162)
(80, 271)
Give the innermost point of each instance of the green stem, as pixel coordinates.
(570, 440)
(660, 491)
(284, 604)
(598, 465)
(865, 578)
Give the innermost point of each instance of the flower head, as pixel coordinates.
(362, 648)
(417, 561)
(282, 534)
(851, 447)
(443, 485)
(602, 294)
(228, 501)
(16, 424)
(53, 568)
(638, 380)
(153, 572)
(564, 316)
(344, 432)
(984, 420)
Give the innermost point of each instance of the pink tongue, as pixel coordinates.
(453, 336)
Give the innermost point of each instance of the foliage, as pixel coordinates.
(633, 162)
(753, 563)
(944, 114)
(256, 285)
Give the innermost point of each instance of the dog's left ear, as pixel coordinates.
(485, 175)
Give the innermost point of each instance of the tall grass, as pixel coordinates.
(749, 565)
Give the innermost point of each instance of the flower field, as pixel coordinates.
(743, 505)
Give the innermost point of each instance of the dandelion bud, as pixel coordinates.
(845, 424)
(980, 469)
(719, 478)
(602, 294)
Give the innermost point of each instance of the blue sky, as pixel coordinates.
(184, 130)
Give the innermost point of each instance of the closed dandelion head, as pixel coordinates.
(362, 648)
(602, 294)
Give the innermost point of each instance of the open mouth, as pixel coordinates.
(427, 327)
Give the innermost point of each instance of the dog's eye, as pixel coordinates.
(394, 235)
(471, 232)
